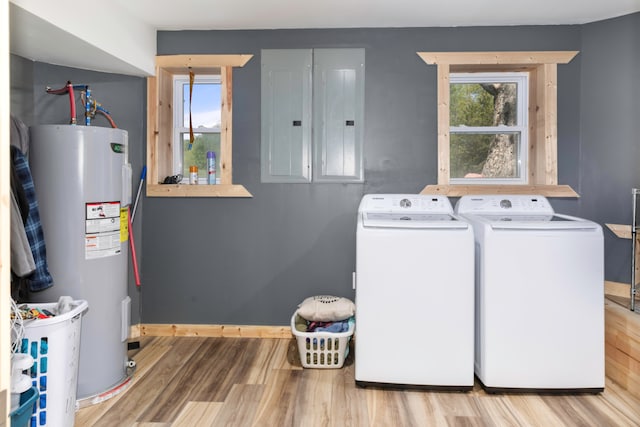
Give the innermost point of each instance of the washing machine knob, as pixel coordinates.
(405, 203)
(505, 203)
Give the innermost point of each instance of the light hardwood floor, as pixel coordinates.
(198, 382)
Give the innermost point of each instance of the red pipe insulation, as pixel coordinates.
(72, 103)
(68, 88)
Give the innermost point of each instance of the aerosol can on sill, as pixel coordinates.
(211, 167)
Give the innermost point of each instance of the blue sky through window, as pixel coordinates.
(205, 105)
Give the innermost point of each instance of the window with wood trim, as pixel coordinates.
(541, 68)
(162, 124)
(196, 127)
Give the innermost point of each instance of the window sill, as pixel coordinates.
(463, 190)
(621, 231)
(177, 190)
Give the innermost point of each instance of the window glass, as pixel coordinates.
(475, 104)
(204, 107)
(470, 155)
(197, 155)
(488, 127)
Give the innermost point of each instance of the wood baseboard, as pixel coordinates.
(230, 331)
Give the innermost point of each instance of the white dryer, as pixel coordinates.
(414, 293)
(539, 295)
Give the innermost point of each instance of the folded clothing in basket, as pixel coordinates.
(304, 325)
(339, 326)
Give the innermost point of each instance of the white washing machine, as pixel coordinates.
(539, 295)
(414, 293)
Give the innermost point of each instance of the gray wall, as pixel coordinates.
(123, 96)
(251, 261)
(610, 131)
(21, 72)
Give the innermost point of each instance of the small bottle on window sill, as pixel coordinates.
(193, 174)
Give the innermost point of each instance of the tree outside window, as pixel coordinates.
(488, 129)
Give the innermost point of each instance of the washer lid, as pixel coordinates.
(411, 220)
(537, 222)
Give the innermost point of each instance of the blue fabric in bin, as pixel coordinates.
(335, 327)
(21, 416)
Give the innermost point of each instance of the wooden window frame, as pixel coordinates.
(160, 124)
(543, 137)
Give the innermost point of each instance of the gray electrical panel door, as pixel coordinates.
(338, 114)
(286, 115)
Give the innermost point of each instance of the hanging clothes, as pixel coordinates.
(19, 135)
(40, 278)
(22, 262)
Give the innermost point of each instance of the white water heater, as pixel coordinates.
(82, 180)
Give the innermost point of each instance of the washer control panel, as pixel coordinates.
(405, 203)
(497, 204)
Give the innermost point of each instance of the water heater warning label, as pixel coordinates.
(102, 230)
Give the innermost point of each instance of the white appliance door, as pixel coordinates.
(541, 309)
(414, 305)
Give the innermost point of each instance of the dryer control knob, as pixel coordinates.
(405, 203)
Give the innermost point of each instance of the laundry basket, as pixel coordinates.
(323, 350)
(54, 344)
